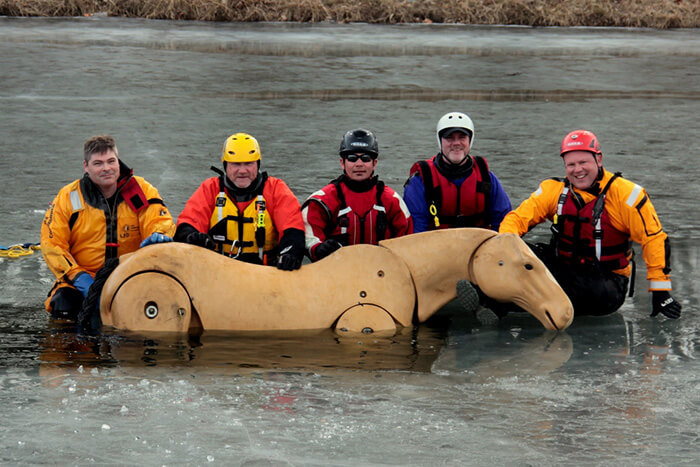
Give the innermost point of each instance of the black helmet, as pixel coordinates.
(359, 140)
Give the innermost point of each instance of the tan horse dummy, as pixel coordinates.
(175, 286)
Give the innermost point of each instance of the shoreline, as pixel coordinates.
(657, 14)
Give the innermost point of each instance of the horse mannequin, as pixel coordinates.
(176, 287)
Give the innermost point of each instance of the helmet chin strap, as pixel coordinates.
(449, 162)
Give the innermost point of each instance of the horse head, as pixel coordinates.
(507, 270)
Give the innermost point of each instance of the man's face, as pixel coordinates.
(357, 169)
(455, 147)
(103, 170)
(242, 174)
(582, 168)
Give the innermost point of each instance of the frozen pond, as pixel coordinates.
(450, 392)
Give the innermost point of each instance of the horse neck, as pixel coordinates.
(437, 260)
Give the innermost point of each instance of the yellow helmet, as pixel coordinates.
(240, 147)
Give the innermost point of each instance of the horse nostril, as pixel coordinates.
(528, 266)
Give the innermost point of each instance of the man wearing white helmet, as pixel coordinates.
(454, 188)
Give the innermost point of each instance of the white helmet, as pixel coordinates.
(456, 121)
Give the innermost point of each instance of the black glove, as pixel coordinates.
(200, 239)
(663, 302)
(288, 260)
(326, 248)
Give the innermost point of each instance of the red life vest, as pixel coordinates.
(348, 226)
(451, 205)
(584, 235)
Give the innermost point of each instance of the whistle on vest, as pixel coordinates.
(260, 208)
(433, 211)
(260, 226)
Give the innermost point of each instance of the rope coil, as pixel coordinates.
(18, 250)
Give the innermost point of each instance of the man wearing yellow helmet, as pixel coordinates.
(244, 213)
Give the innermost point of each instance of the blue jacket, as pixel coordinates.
(414, 196)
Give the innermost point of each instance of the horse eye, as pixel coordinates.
(528, 266)
(500, 263)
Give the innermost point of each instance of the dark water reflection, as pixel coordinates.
(410, 349)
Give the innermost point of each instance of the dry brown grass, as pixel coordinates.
(628, 13)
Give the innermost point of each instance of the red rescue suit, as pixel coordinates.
(353, 217)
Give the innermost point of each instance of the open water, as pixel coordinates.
(619, 389)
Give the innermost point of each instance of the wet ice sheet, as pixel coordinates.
(620, 387)
(613, 397)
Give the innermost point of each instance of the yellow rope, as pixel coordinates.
(16, 251)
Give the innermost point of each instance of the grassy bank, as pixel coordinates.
(660, 14)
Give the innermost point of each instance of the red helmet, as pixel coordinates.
(580, 140)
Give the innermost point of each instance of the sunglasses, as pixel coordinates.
(355, 157)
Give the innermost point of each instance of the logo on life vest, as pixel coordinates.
(127, 229)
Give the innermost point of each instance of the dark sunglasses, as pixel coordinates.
(355, 157)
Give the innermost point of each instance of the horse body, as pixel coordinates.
(177, 287)
(437, 260)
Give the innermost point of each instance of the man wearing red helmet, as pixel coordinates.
(594, 215)
(356, 207)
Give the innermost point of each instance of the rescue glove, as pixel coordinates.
(155, 238)
(326, 248)
(289, 260)
(82, 282)
(291, 249)
(663, 302)
(200, 239)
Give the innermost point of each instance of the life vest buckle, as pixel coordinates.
(236, 244)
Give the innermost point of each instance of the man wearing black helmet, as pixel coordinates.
(356, 207)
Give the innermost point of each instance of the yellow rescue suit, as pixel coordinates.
(81, 229)
(630, 211)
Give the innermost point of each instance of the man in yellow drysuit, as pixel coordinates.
(595, 214)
